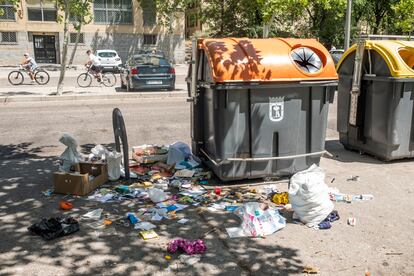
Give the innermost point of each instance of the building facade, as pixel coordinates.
(120, 25)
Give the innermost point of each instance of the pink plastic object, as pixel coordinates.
(188, 246)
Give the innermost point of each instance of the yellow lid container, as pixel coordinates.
(398, 54)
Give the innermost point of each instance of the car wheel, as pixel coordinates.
(171, 88)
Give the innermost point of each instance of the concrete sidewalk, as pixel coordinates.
(32, 92)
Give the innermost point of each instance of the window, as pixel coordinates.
(41, 10)
(150, 39)
(107, 54)
(8, 37)
(150, 60)
(72, 38)
(149, 14)
(113, 11)
(7, 11)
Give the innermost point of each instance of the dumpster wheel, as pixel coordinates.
(307, 59)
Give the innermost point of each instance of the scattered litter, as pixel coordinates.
(185, 173)
(47, 193)
(148, 234)
(337, 196)
(189, 259)
(178, 152)
(132, 218)
(98, 224)
(236, 232)
(107, 222)
(258, 220)
(352, 221)
(70, 156)
(281, 198)
(157, 195)
(190, 247)
(310, 269)
(144, 225)
(94, 214)
(167, 257)
(333, 180)
(65, 205)
(54, 227)
(326, 223)
(183, 221)
(353, 178)
(156, 217)
(107, 231)
(217, 191)
(309, 196)
(231, 208)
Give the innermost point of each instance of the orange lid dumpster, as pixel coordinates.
(267, 60)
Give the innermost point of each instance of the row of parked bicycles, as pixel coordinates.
(42, 77)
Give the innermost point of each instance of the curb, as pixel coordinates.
(132, 95)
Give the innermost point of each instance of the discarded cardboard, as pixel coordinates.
(88, 176)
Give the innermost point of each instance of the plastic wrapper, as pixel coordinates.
(70, 156)
(157, 195)
(53, 228)
(257, 222)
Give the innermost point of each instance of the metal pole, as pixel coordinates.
(348, 24)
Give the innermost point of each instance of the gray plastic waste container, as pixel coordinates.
(259, 106)
(378, 119)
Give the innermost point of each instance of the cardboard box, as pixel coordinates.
(78, 183)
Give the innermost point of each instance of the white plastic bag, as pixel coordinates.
(157, 195)
(114, 161)
(257, 222)
(71, 155)
(309, 196)
(100, 152)
(178, 152)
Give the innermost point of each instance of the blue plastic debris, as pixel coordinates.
(132, 218)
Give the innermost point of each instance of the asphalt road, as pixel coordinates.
(147, 120)
(381, 242)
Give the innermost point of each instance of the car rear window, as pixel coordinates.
(151, 60)
(107, 54)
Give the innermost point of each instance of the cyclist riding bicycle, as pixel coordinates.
(95, 64)
(30, 65)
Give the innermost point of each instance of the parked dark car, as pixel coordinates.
(148, 71)
(336, 54)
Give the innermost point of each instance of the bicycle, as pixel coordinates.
(85, 79)
(16, 77)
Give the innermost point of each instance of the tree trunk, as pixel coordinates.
(65, 50)
(72, 56)
(222, 18)
(171, 48)
(268, 25)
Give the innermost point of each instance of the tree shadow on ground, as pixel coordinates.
(116, 249)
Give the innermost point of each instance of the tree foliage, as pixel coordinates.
(15, 3)
(322, 19)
